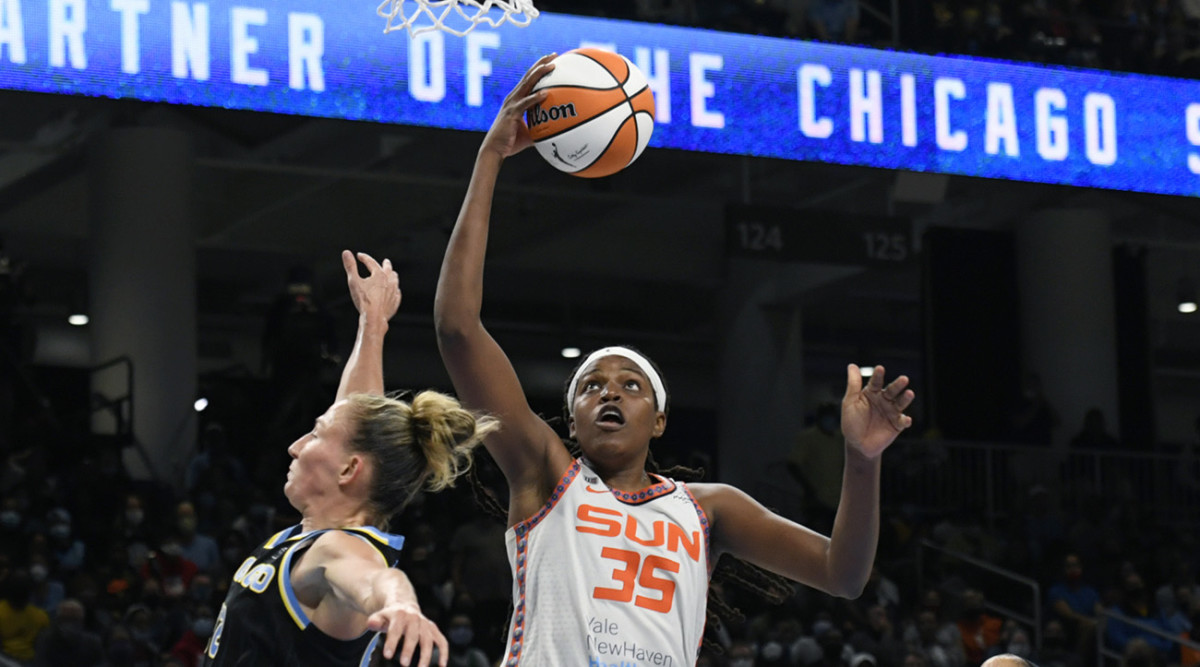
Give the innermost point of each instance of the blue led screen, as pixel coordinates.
(715, 92)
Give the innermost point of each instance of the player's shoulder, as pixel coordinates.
(364, 541)
(710, 490)
(716, 498)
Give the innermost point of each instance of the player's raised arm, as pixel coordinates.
(872, 417)
(376, 297)
(527, 450)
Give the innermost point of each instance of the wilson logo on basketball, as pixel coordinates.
(538, 115)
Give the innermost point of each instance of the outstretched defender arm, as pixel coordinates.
(377, 298)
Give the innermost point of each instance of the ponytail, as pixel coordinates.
(423, 445)
(448, 434)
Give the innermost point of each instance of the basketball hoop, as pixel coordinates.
(433, 14)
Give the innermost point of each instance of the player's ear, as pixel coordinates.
(571, 427)
(660, 424)
(351, 469)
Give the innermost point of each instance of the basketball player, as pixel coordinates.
(310, 594)
(610, 562)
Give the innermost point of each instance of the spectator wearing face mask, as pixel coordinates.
(67, 552)
(197, 547)
(1016, 641)
(130, 525)
(191, 645)
(48, 591)
(12, 528)
(68, 642)
(463, 652)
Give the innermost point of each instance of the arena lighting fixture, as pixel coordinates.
(867, 371)
(200, 404)
(1187, 295)
(570, 352)
(77, 319)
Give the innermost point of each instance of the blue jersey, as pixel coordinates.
(262, 623)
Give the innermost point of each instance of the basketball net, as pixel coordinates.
(429, 15)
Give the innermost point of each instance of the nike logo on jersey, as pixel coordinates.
(591, 490)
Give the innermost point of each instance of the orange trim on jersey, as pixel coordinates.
(522, 530)
(703, 524)
(664, 487)
(563, 482)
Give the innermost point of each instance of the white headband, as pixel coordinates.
(643, 364)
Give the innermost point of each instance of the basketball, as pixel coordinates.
(598, 114)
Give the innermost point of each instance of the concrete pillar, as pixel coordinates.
(142, 288)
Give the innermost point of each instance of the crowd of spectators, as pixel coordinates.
(99, 569)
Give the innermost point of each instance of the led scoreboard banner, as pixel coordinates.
(715, 92)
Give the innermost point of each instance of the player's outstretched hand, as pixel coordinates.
(378, 293)
(509, 135)
(873, 416)
(405, 622)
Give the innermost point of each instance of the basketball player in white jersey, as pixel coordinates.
(610, 562)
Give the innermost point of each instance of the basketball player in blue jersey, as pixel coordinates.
(326, 591)
(611, 563)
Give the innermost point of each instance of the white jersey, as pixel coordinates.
(604, 578)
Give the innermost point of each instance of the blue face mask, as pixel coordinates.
(60, 531)
(10, 519)
(460, 636)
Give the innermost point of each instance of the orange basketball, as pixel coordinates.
(598, 115)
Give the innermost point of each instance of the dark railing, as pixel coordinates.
(1106, 656)
(120, 407)
(992, 480)
(1031, 619)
